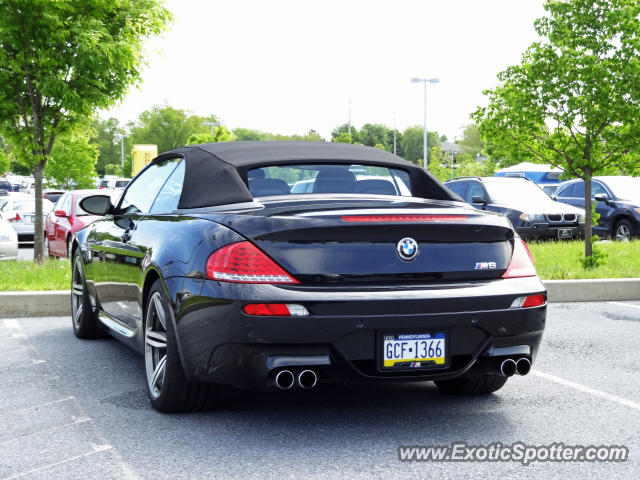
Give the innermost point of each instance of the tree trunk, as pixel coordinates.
(587, 217)
(38, 224)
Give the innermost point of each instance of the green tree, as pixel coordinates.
(59, 61)
(471, 141)
(106, 137)
(220, 134)
(166, 127)
(5, 159)
(344, 128)
(248, 134)
(412, 143)
(343, 137)
(113, 169)
(372, 134)
(72, 161)
(574, 101)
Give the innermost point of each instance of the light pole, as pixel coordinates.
(212, 123)
(120, 137)
(424, 141)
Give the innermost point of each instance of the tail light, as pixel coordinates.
(276, 309)
(403, 218)
(243, 262)
(530, 301)
(521, 264)
(15, 219)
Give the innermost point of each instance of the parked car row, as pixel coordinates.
(62, 217)
(561, 214)
(617, 201)
(66, 218)
(531, 211)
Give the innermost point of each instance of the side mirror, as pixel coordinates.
(602, 197)
(60, 213)
(478, 199)
(97, 205)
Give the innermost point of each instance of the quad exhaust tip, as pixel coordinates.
(508, 367)
(307, 379)
(523, 366)
(285, 379)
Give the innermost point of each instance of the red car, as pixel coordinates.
(64, 220)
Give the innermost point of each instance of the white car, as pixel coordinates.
(20, 211)
(8, 240)
(114, 183)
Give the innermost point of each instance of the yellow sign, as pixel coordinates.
(142, 154)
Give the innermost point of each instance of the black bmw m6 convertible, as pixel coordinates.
(212, 268)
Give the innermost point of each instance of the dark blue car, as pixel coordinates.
(617, 201)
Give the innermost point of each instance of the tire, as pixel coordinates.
(167, 386)
(85, 321)
(472, 385)
(623, 231)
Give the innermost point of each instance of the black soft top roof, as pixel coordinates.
(216, 173)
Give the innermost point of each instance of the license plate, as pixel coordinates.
(414, 350)
(28, 219)
(564, 233)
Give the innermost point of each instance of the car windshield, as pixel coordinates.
(513, 190)
(328, 179)
(122, 183)
(627, 188)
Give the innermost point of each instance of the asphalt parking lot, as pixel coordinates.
(77, 409)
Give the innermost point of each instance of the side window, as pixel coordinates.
(143, 190)
(565, 192)
(596, 188)
(458, 188)
(66, 205)
(60, 202)
(167, 199)
(578, 190)
(475, 190)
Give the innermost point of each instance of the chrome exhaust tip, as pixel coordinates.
(284, 380)
(523, 366)
(508, 367)
(307, 379)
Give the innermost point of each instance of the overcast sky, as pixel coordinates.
(290, 66)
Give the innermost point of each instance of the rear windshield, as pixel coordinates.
(122, 183)
(328, 179)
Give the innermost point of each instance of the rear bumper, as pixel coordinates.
(340, 338)
(8, 250)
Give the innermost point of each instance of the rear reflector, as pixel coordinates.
(243, 262)
(530, 301)
(276, 309)
(521, 264)
(403, 218)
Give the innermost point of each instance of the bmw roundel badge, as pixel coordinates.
(407, 249)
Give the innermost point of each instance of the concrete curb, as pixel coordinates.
(35, 304)
(58, 303)
(593, 290)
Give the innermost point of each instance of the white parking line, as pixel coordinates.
(11, 412)
(589, 390)
(57, 427)
(24, 347)
(624, 304)
(96, 449)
